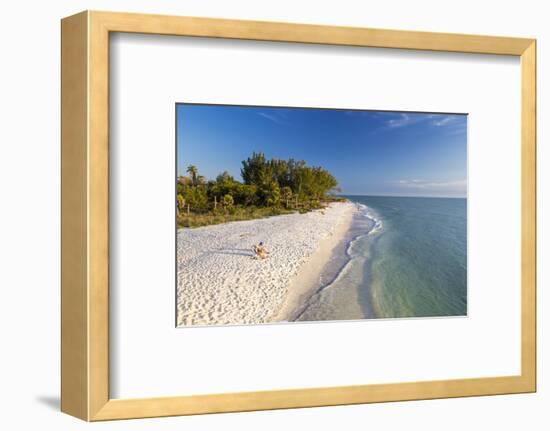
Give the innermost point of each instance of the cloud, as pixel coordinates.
(451, 124)
(389, 120)
(410, 182)
(457, 130)
(436, 120)
(403, 120)
(442, 121)
(447, 124)
(395, 120)
(447, 120)
(451, 187)
(277, 119)
(364, 113)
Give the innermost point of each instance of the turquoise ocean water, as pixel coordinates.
(403, 257)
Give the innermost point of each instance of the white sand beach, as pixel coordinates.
(219, 281)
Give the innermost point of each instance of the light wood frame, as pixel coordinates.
(85, 219)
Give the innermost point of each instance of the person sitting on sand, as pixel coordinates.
(260, 251)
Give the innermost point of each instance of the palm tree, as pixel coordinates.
(193, 172)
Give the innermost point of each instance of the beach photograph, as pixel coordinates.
(296, 214)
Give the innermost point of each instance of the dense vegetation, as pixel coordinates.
(268, 187)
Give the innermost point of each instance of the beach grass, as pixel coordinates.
(193, 220)
(240, 213)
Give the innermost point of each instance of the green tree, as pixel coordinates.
(270, 193)
(196, 179)
(245, 194)
(279, 171)
(227, 201)
(224, 178)
(254, 169)
(197, 198)
(286, 194)
(181, 202)
(224, 184)
(193, 173)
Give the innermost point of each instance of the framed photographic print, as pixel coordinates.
(266, 215)
(312, 247)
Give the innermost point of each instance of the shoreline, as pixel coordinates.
(220, 283)
(306, 282)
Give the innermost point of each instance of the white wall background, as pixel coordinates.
(29, 216)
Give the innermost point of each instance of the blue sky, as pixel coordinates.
(369, 152)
